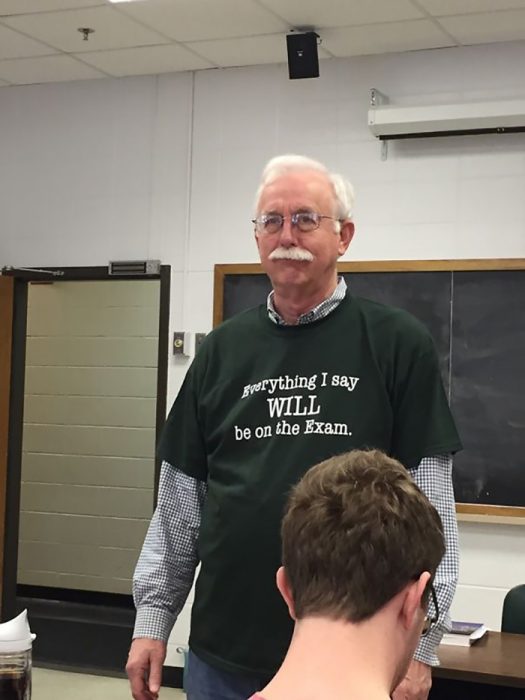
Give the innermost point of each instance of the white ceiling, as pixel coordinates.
(40, 41)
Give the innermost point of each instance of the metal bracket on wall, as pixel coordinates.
(378, 98)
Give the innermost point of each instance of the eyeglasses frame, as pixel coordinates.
(293, 220)
(431, 620)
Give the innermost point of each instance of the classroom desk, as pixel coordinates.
(492, 668)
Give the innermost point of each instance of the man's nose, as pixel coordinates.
(288, 235)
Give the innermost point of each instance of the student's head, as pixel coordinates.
(359, 538)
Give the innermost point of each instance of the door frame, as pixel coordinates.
(17, 349)
(6, 324)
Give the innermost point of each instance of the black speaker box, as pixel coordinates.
(303, 61)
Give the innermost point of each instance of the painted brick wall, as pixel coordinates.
(89, 432)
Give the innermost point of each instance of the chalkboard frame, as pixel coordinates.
(466, 511)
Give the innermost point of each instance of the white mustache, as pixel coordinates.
(282, 253)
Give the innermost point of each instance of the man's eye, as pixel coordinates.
(306, 217)
(272, 220)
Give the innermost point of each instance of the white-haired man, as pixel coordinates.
(312, 373)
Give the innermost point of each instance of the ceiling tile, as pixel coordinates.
(46, 69)
(440, 8)
(18, 7)
(246, 51)
(340, 13)
(384, 38)
(185, 20)
(15, 45)
(112, 29)
(145, 60)
(487, 27)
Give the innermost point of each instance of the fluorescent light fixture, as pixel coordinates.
(122, 0)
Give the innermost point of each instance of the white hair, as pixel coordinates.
(280, 165)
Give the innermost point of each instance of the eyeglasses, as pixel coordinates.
(431, 619)
(305, 221)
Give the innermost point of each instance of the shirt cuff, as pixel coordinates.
(426, 650)
(153, 623)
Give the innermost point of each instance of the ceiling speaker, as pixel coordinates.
(303, 61)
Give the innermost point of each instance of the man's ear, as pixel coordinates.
(412, 605)
(345, 235)
(284, 589)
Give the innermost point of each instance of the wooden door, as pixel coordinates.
(6, 332)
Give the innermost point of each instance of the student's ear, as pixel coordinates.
(284, 589)
(412, 609)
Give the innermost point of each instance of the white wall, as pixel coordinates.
(167, 167)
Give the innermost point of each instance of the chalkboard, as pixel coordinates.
(475, 310)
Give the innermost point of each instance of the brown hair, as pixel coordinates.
(356, 530)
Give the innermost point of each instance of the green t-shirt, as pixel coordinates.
(261, 404)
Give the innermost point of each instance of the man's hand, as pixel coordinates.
(144, 667)
(416, 683)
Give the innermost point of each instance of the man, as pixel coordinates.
(361, 544)
(313, 373)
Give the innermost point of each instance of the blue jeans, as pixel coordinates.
(203, 682)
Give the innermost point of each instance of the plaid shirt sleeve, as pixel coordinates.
(434, 478)
(166, 567)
